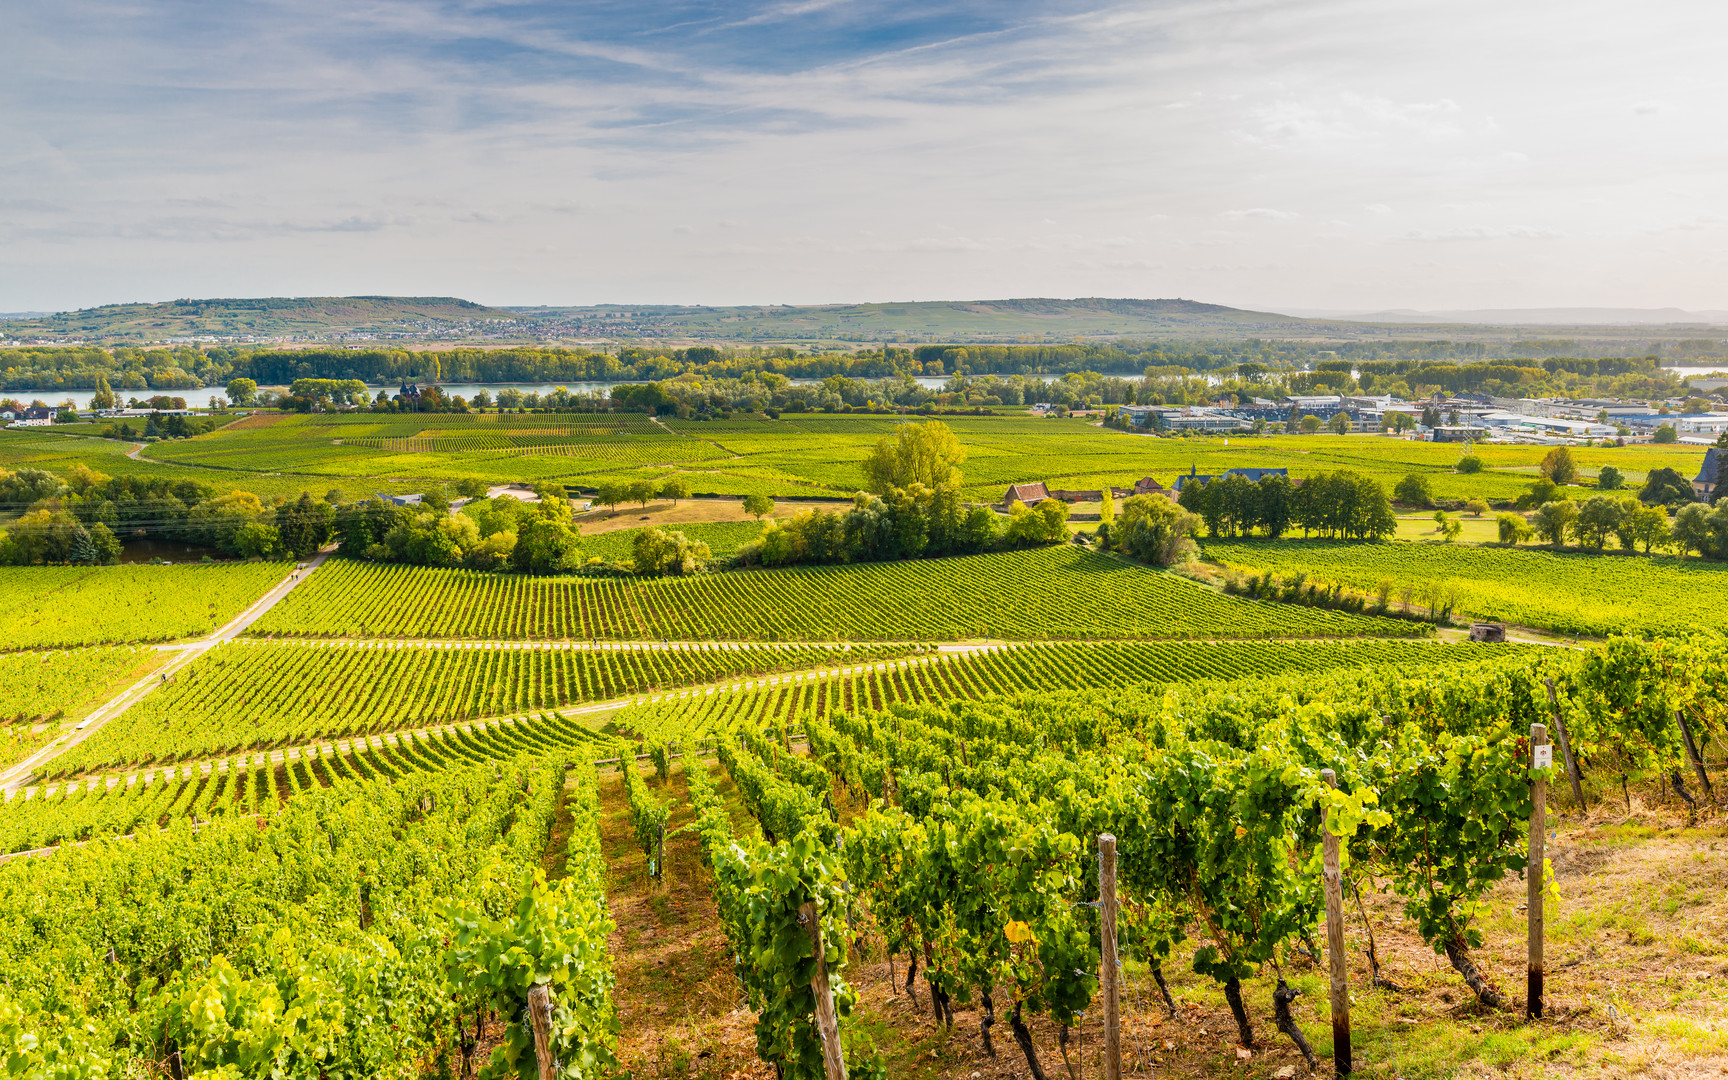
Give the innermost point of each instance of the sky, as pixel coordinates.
(1306, 154)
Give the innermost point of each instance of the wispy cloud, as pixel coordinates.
(1353, 153)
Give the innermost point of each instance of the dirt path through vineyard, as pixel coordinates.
(681, 1011)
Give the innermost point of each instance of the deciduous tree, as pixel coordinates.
(927, 453)
(1553, 520)
(757, 505)
(1558, 465)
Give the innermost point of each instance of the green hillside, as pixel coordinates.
(961, 320)
(265, 317)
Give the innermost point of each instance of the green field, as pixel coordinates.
(1570, 593)
(41, 690)
(1061, 592)
(819, 454)
(51, 684)
(47, 448)
(298, 831)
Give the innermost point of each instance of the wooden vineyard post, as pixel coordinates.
(1565, 747)
(1692, 752)
(827, 1021)
(1109, 965)
(1335, 939)
(1541, 757)
(540, 1017)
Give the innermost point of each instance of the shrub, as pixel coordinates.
(1666, 487)
(1153, 529)
(1413, 491)
(1513, 528)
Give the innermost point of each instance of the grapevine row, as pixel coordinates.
(256, 784)
(247, 695)
(972, 860)
(1026, 668)
(349, 933)
(1058, 592)
(44, 606)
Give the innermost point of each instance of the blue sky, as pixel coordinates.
(1354, 154)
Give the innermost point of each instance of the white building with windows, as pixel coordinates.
(1699, 423)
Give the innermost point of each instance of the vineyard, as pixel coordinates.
(974, 859)
(40, 689)
(41, 686)
(43, 606)
(1011, 673)
(942, 814)
(1594, 595)
(258, 783)
(249, 695)
(808, 454)
(1057, 592)
(319, 940)
(389, 818)
(490, 447)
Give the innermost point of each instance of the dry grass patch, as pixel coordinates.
(686, 511)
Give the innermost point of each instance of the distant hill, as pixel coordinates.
(1031, 319)
(1582, 316)
(418, 321)
(266, 318)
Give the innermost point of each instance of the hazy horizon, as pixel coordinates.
(1332, 155)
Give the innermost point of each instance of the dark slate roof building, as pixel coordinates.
(1704, 484)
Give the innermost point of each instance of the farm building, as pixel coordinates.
(1704, 484)
(1032, 494)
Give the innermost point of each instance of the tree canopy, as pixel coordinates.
(928, 454)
